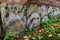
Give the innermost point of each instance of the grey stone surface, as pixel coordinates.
(34, 15)
(16, 27)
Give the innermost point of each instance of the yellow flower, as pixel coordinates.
(33, 37)
(39, 37)
(50, 35)
(39, 30)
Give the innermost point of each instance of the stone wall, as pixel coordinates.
(30, 16)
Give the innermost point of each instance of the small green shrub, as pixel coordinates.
(10, 36)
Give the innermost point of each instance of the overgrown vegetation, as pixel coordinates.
(40, 35)
(10, 36)
(52, 25)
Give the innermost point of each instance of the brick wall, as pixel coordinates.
(38, 2)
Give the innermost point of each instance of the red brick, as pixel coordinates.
(3, 0)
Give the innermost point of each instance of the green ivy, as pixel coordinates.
(29, 32)
(10, 36)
